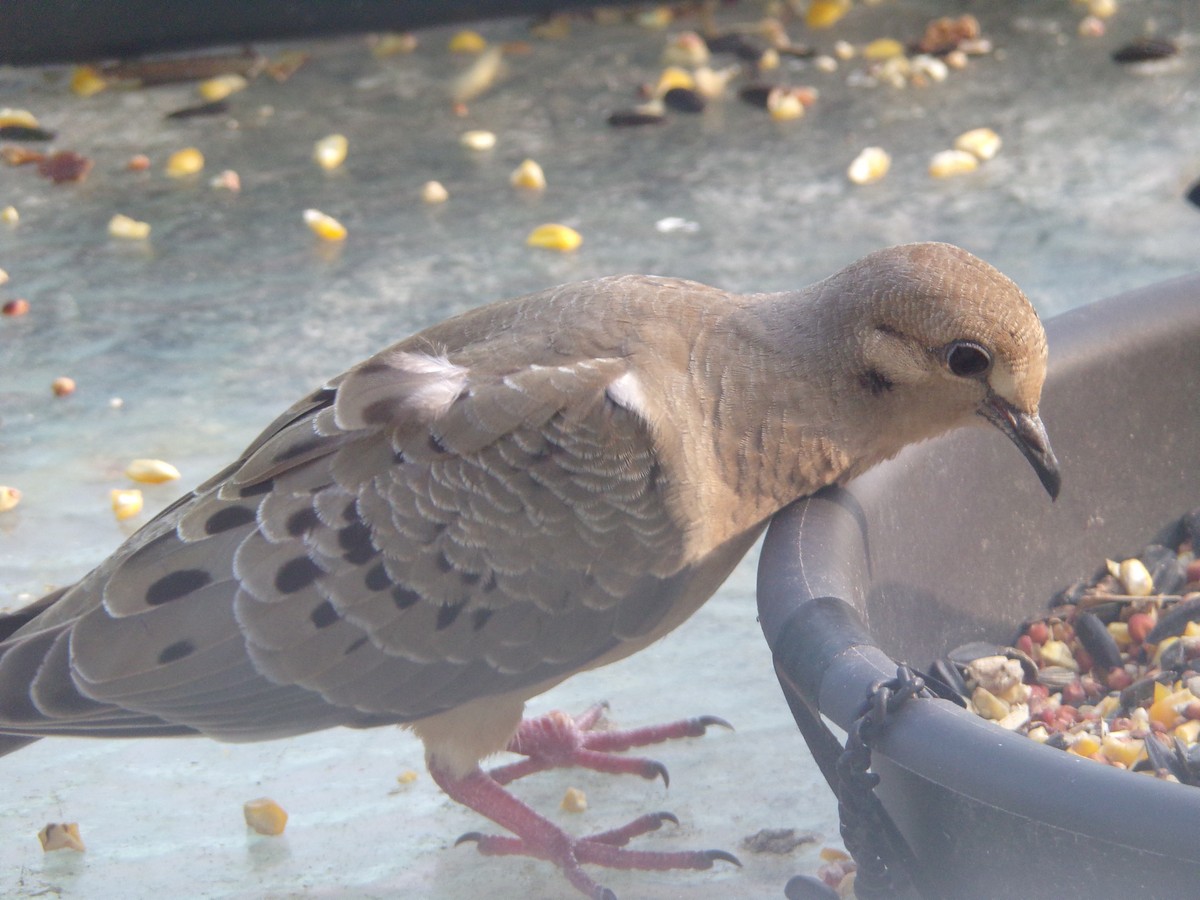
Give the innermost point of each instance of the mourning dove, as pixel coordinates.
(531, 489)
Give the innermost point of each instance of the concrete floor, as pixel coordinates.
(232, 309)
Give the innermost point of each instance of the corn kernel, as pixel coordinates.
(832, 854)
(1123, 749)
(265, 816)
(126, 503)
(9, 498)
(686, 49)
(554, 237)
(467, 42)
(784, 105)
(948, 163)
(9, 215)
(3, 277)
(825, 13)
(330, 152)
(528, 175)
(478, 140)
(1102, 9)
(393, 42)
(151, 471)
(408, 776)
(124, 227)
(187, 161)
(86, 81)
(983, 143)
(1188, 732)
(480, 76)
(769, 61)
(61, 836)
(574, 800)
(434, 192)
(1085, 745)
(327, 228)
(1165, 710)
(869, 166)
(1120, 633)
(222, 86)
(62, 386)
(674, 77)
(1192, 629)
(883, 48)
(21, 117)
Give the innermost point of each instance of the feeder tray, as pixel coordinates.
(954, 541)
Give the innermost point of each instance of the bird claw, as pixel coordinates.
(723, 856)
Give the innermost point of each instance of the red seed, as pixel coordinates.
(1140, 625)
(1083, 658)
(1025, 644)
(16, 307)
(1192, 710)
(1118, 679)
(1193, 571)
(1074, 693)
(1038, 632)
(63, 386)
(65, 165)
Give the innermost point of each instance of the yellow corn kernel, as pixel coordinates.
(686, 49)
(61, 836)
(1160, 647)
(1123, 749)
(948, 163)
(9, 498)
(674, 77)
(1085, 745)
(434, 192)
(1120, 633)
(869, 166)
(187, 161)
(784, 105)
(1188, 732)
(9, 215)
(478, 140)
(86, 81)
(982, 143)
(151, 471)
(265, 816)
(392, 42)
(22, 117)
(327, 228)
(222, 86)
(554, 237)
(1164, 710)
(124, 227)
(883, 48)
(528, 175)
(408, 776)
(1192, 629)
(832, 854)
(330, 152)
(126, 503)
(467, 42)
(825, 13)
(574, 800)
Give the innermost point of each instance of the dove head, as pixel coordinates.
(937, 339)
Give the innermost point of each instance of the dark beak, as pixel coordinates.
(1029, 434)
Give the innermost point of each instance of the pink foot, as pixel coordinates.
(557, 740)
(539, 837)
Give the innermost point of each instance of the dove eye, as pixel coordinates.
(967, 359)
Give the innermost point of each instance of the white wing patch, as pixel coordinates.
(440, 385)
(626, 391)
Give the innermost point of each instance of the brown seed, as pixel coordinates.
(65, 165)
(17, 307)
(139, 162)
(1140, 625)
(62, 386)
(61, 836)
(19, 156)
(1145, 50)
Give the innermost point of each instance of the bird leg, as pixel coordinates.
(556, 740)
(538, 837)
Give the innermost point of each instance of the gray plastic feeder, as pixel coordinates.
(955, 541)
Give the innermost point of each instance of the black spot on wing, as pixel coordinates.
(177, 584)
(480, 617)
(177, 650)
(350, 512)
(356, 544)
(296, 574)
(323, 615)
(447, 614)
(227, 518)
(403, 597)
(377, 578)
(357, 645)
(257, 489)
(300, 448)
(301, 521)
